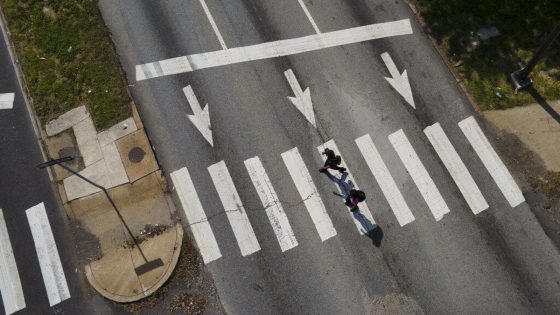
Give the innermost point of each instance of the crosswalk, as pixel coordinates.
(49, 263)
(311, 198)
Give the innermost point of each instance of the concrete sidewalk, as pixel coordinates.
(121, 160)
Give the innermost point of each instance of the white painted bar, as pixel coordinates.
(385, 180)
(195, 215)
(213, 23)
(236, 213)
(10, 284)
(272, 49)
(7, 100)
(492, 161)
(456, 168)
(419, 174)
(308, 192)
(363, 218)
(269, 199)
(47, 252)
(309, 17)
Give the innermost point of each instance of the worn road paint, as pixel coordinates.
(309, 193)
(272, 49)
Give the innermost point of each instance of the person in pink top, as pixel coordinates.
(354, 197)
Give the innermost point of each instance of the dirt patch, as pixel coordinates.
(188, 304)
(395, 303)
(549, 184)
(540, 187)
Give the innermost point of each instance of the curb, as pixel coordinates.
(147, 291)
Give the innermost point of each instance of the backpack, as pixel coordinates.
(337, 160)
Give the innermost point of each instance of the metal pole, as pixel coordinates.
(540, 53)
(147, 266)
(520, 78)
(112, 204)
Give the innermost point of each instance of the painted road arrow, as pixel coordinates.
(301, 98)
(200, 117)
(7, 100)
(398, 81)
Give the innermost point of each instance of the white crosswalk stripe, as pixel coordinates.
(491, 161)
(308, 192)
(234, 209)
(456, 168)
(195, 215)
(269, 199)
(385, 180)
(7, 100)
(419, 174)
(363, 218)
(49, 261)
(10, 284)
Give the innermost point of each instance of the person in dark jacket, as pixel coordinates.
(333, 161)
(354, 197)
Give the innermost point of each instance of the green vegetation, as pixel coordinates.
(484, 69)
(67, 58)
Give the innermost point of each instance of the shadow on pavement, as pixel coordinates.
(544, 104)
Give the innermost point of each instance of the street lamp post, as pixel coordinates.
(148, 265)
(520, 78)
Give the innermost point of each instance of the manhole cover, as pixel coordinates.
(67, 151)
(136, 155)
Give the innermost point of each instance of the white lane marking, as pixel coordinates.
(456, 168)
(272, 49)
(200, 117)
(10, 284)
(385, 180)
(419, 174)
(398, 81)
(214, 25)
(344, 182)
(492, 161)
(236, 213)
(311, 20)
(308, 192)
(195, 215)
(269, 199)
(7, 100)
(47, 252)
(301, 99)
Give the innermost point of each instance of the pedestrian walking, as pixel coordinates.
(354, 197)
(333, 161)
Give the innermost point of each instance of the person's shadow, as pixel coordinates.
(376, 235)
(369, 228)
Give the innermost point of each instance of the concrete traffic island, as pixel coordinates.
(142, 226)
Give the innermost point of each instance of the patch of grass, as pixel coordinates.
(484, 70)
(67, 58)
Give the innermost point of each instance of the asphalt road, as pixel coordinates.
(22, 186)
(499, 261)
